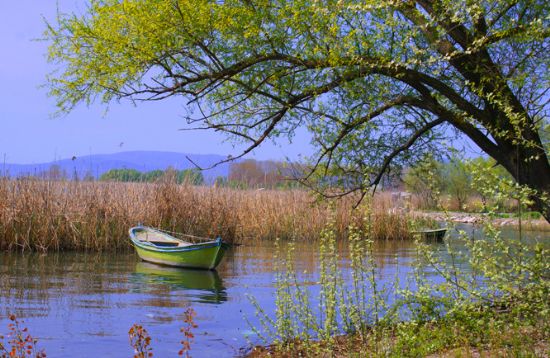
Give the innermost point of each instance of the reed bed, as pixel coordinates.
(46, 215)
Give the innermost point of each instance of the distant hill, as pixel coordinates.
(143, 161)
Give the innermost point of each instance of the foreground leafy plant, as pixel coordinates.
(140, 341)
(484, 294)
(21, 343)
(188, 336)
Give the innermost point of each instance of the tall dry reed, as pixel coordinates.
(67, 215)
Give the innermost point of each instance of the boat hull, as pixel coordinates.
(200, 256)
(207, 258)
(433, 235)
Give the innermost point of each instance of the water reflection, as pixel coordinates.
(207, 284)
(83, 304)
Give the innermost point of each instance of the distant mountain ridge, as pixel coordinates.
(143, 161)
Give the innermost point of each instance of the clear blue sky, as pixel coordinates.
(30, 135)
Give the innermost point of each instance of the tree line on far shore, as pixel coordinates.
(427, 179)
(247, 174)
(187, 176)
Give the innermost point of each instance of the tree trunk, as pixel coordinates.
(530, 166)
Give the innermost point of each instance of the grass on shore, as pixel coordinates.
(480, 334)
(67, 215)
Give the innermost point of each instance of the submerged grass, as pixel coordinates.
(67, 215)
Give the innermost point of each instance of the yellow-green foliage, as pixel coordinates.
(490, 295)
(377, 83)
(500, 307)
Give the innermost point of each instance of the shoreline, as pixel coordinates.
(478, 218)
(445, 337)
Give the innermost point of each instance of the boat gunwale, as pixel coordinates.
(429, 231)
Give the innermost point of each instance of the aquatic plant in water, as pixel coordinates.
(188, 336)
(140, 341)
(21, 344)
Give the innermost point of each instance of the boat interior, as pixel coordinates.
(159, 239)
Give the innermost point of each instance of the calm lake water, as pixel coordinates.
(82, 305)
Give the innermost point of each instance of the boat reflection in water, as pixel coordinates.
(203, 286)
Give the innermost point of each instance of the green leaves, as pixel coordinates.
(377, 83)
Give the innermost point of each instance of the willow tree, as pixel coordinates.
(377, 83)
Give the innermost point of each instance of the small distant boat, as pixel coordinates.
(157, 246)
(431, 234)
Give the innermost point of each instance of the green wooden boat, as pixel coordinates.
(431, 234)
(157, 246)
